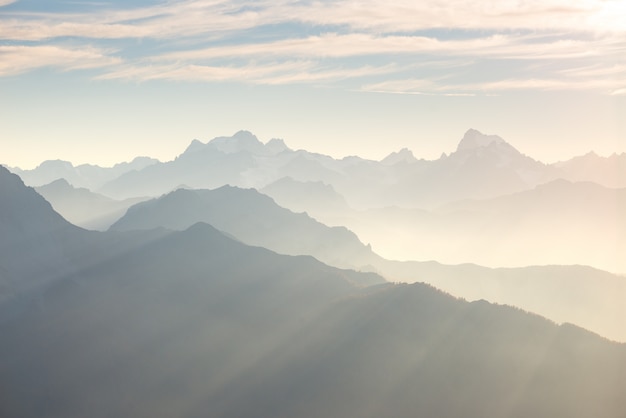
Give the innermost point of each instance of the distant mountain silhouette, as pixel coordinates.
(252, 218)
(82, 207)
(403, 156)
(554, 223)
(474, 139)
(589, 298)
(242, 141)
(85, 175)
(220, 162)
(483, 166)
(318, 199)
(607, 171)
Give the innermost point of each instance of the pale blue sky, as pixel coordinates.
(104, 81)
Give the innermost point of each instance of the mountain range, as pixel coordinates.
(478, 168)
(195, 323)
(253, 218)
(558, 222)
(84, 208)
(607, 171)
(83, 176)
(590, 298)
(482, 166)
(541, 215)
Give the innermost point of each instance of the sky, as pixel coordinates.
(104, 81)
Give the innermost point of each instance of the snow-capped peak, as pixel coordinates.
(475, 139)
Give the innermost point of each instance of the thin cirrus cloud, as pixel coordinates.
(189, 18)
(334, 45)
(285, 41)
(260, 73)
(409, 15)
(175, 20)
(447, 87)
(18, 59)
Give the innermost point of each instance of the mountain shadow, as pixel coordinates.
(252, 218)
(193, 323)
(576, 294)
(26, 219)
(196, 324)
(83, 207)
(38, 246)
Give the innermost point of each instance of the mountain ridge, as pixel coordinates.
(193, 323)
(475, 139)
(249, 217)
(84, 208)
(253, 218)
(83, 175)
(242, 160)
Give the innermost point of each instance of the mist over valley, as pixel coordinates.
(248, 279)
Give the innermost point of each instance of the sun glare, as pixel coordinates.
(611, 16)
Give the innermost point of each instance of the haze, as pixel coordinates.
(312, 209)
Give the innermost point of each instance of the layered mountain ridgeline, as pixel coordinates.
(193, 323)
(554, 223)
(409, 208)
(87, 176)
(581, 295)
(269, 343)
(482, 166)
(83, 207)
(577, 225)
(558, 222)
(26, 218)
(254, 219)
(479, 168)
(403, 204)
(608, 171)
(584, 296)
(317, 198)
(38, 246)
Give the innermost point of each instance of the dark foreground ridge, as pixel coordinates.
(193, 323)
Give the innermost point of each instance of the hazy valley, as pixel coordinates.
(249, 279)
(281, 209)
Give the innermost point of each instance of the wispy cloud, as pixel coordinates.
(408, 15)
(35, 30)
(597, 71)
(286, 41)
(176, 19)
(288, 72)
(18, 59)
(192, 72)
(337, 45)
(193, 17)
(440, 87)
